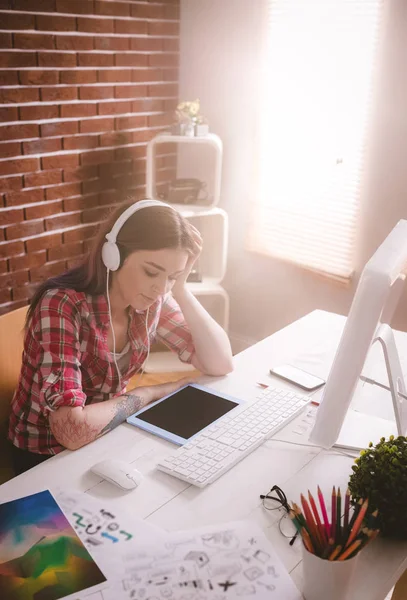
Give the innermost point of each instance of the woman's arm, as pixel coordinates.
(74, 427)
(213, 354)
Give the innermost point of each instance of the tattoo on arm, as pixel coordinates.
(130, 404)
(73, 431)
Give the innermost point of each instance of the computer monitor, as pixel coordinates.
(379, 289)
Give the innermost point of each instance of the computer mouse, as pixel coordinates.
(118, 472)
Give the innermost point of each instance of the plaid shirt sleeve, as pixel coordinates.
(56, 328)
(173, 331)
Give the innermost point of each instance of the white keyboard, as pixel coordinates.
(220, 446)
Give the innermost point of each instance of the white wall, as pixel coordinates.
(219, 56)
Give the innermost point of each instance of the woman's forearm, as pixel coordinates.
(74, 427)
(212, 347)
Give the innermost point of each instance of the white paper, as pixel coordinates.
(225, 561)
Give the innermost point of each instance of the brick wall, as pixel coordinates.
(84, 85)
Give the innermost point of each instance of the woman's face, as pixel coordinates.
(147, 274)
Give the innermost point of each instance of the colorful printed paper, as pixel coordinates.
(41, 557)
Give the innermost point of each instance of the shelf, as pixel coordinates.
(210, 138)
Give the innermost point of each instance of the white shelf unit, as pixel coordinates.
(212, 222)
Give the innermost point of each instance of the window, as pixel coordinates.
(316, 94)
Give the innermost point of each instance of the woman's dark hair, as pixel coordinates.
(152, 228)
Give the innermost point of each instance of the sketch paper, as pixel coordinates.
(41, 556)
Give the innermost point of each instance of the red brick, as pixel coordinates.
(42, 146)
(24, 292)
(44, 241)
(115, 138)
(74, 42)
(93, 125)
(7, 96)
(42, 178)
(95, 25)
(3, 266)
(160, 120)
(130, 91)
(79, 234)
(27, 261)
(38, 77)
(114, 76)
(146, 44)
(63, 191)
(59, 94)
(131, 153)
(80, 203)
(54, 23)
(8, 78)
(60, 161)
(95, 59)
(11, 249)
(11, 183)
(5, 40)
(8, 114)
(92, 215)
(18, 59)
(155, 11)
(171, 74)
(5, 296)
(15, 22)
(34, 41)
(10, 306)
(34, 5)
(9, 216)
(130, 60)
(112, 108)
(163, 28)
(24, 197)
(78, 110)
(56, 59)
(77, 7)
(2, 237)
(78, 76)
(97, 157)
(163, 89)
(163, 60)
(130, 26)
(65, 251)
(133, 122)
(62, 221)
(58, 129)
(81, 142)
(80, 174)
(96, 92)
(111, 43)
(47, 271)
(13, 279)
(22, 165)
(43, 210)
(10, 149)
(116, 168)
(34, 113)
(115, 9)
(95, 185)
(25, 229)
(171, 45)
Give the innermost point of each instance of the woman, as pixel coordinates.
(89, 331)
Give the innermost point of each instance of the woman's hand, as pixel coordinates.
(193, 256)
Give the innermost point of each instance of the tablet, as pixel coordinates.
(184, 413)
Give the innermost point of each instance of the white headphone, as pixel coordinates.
(110, 250)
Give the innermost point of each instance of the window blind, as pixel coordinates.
(316, 90)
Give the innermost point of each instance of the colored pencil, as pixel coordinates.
(358, 523)
(335, 553)
(324, 512)
(333, 513)
(307, 540)
(338, 516)
(346, 516)
(320, 528)
(312, 527)
(349, 550)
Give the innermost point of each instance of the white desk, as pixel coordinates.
(287, 460)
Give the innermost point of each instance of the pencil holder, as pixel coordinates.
(325, 579)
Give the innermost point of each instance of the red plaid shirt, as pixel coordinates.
(66, 360)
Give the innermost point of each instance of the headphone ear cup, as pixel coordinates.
(111, 256)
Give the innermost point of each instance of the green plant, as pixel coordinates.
(380, 474)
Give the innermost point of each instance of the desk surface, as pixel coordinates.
(287, 459)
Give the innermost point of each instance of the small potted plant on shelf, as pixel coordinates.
(189, 121)
(380, 474)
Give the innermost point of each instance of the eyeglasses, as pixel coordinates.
(275, 499)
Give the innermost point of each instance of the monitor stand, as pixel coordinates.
(359, 428)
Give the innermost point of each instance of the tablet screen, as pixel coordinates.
(187, 411)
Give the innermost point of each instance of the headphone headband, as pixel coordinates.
(110, 250)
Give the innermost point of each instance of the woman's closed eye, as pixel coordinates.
(150, 273)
